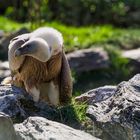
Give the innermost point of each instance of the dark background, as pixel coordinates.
(121, 13)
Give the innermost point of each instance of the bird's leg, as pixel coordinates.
(53, 93)
(35, 93)
(32, 89)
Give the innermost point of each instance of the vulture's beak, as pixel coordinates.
(21, 51)
(25, 49)
(17, 53)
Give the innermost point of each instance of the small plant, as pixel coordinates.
(73, 115)
(80, 109)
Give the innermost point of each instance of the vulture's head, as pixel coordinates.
(36, 48)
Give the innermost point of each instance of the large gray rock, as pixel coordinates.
(88, 59)
(38, 128)
(118, 117)
(7, 131)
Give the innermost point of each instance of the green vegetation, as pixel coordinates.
(74, 12)
(118, 65)
(85, 37)
(119, 70)
(80, 110)
(9, 25)
(111, 38)
(73, 115)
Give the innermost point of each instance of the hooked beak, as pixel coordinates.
(21, 51)
(17, 53)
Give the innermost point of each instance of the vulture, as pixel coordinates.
(38, 63)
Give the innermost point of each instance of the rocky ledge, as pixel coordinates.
(115, 111)
(39, 128)
(16, 106)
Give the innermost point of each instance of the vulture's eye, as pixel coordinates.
(28, 46)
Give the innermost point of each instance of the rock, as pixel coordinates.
(88, 59)
(7, 131)
(134, 59)
(10, 101)
(97, 95)
(4, 65)
(118, 117)
(19, 105)
(4, 70)
(3, 74)
(1, 34)
(132, 54)
(4, 42)
(38, 128)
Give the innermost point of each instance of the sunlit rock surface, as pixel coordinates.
(97, 95)
(88, 59)
(118, 116)
(38, 128)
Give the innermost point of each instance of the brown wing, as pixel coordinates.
(65, 82)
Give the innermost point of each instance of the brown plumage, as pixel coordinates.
(33, 72)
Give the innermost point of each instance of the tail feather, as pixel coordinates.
(65, 82)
